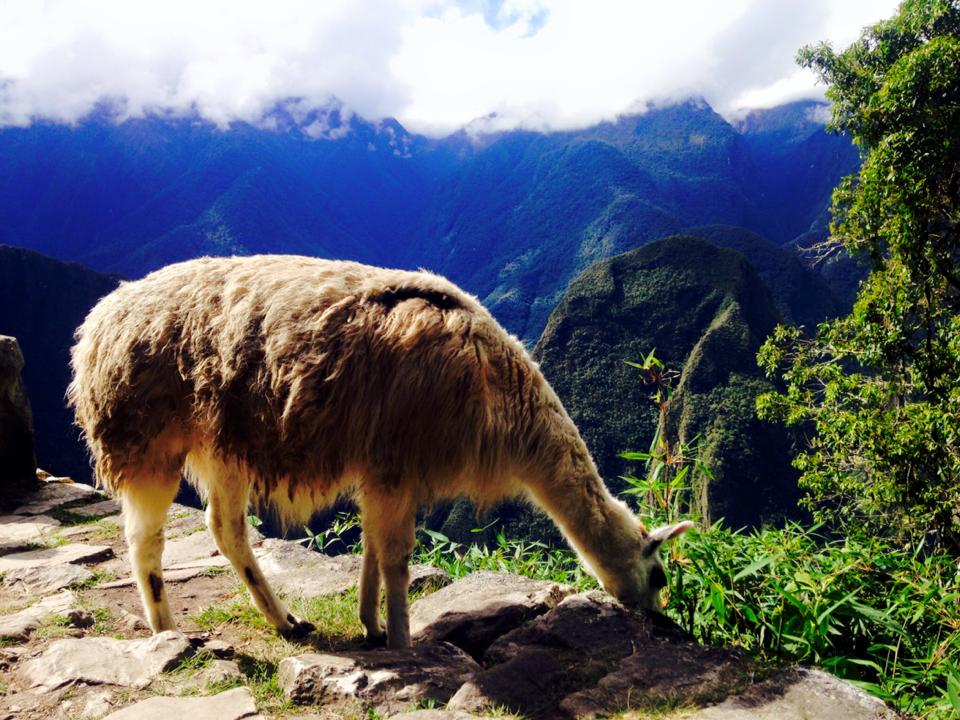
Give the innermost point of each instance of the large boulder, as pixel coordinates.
(799, 694)
(385, 680)
(590, 657)
(18, 463)
(474, 611)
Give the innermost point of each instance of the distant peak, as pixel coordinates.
(801, 116)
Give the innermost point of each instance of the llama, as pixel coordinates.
(291, 381)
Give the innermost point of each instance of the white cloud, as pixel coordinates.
(435, 65)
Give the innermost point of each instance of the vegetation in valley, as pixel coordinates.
(706, 311)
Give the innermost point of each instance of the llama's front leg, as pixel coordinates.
(369, 591)
(227, 520)
(145, 508)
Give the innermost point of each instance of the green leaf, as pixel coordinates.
(754, 567)
(953, 691)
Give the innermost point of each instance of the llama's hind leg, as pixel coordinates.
(369, 590)
(145, 506)
(227, 520)
(390, 519)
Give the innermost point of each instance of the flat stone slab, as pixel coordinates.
(46, 557)
(55, 493)
(800, 694)
(177, 573)
(97, 510)
(105, 661)
(197, 546)
(20, 625)
(296, 570)
(46, 579)
(473, 611)
(187, 557)
(18, 532)
(387, 680)
(236, 704)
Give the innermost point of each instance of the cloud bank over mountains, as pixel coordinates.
(435, 65)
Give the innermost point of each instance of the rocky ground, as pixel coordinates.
(73, 643)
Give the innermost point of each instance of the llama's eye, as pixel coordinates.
(658, 578)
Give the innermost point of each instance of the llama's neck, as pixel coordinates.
(562, 479)
(602, 529)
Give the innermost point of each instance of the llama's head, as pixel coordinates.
(640, 588)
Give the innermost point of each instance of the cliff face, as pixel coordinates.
(42, 301)
(703, 309)
(17, 459)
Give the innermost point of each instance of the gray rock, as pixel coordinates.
(97, 704)
(97, 509)
(386, 680)
(19, 533)
(296, 570)
(473, 611)
(443, 715)
(54, 493)
(589, 656)
(17, 457)
(662, 675)
(220, 648)
(131, 622)
(20, 625)
(428, 578)
(105, 661)
(9, 655)
(800, 694)
(183, 520)
(219, 671)
(236, 704)
(84, 531)
(184, 550)
(47, 557)
(46, 579)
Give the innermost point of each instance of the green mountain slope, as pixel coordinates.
(801, 295)
(703, 309)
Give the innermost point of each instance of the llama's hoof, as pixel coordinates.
(300, 629)
(399, 644)
(377, 640)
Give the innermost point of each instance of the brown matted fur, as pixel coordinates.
(290, 380)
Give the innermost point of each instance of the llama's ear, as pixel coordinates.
(661, 534)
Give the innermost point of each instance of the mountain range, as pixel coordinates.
(512, 216)
(560, 234)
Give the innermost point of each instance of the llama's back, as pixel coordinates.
(306, 371)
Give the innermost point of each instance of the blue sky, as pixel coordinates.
(435, 65)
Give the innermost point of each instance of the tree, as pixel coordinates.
(879, 389)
